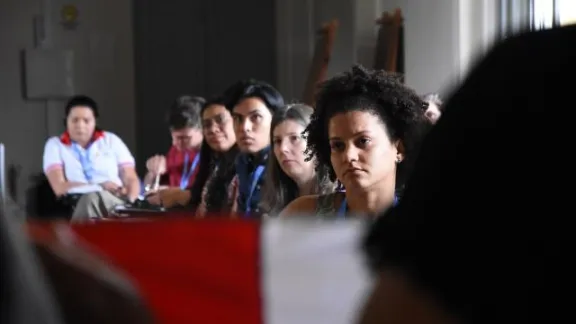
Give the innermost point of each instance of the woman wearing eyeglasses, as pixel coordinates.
(215, 189)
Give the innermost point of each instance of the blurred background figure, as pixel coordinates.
(434, 109)
(476, 238)
(177, 170)
(92, 167)
(290, 173)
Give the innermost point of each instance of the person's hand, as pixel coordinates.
(114, 188)
(154, 198)
(169, 198)
(110, 186)
(156, 165)
(122, 191)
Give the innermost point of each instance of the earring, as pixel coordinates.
(398, 160)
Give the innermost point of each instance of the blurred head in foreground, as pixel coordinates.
(478, 235)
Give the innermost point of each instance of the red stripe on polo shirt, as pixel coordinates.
(67, 140)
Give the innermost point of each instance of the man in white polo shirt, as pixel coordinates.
(86, 160)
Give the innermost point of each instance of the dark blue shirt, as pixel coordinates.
(246, 168)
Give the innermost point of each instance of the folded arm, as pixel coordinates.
(54, 169)
(58, 182)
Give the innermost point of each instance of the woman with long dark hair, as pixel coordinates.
(289, 175)
(252, 104)
(214, 190)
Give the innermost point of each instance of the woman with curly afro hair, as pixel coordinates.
(366, 128)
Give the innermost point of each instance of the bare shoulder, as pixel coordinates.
(300, 205)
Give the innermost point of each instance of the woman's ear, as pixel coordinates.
(400, 151)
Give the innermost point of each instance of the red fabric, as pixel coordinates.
(66, 140)
(175, 166)
(188, 271)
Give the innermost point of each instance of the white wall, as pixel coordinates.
(442, 38)
(431, 42)
(104, 69)
(196, 47)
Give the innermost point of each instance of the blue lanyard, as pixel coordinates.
(84, 159)
(342, 210)
(344, 205)
(186, 174)
(255, 177)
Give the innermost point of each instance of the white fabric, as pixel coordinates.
(313, 272)
(108, 154)
(85, 189)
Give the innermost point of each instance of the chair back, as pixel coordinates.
(390, 43)
(320, 61)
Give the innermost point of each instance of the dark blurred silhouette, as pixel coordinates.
(88, 288)
(483, 234)
(26, 297)
(53, 278)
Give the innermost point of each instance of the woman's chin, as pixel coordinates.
(353, 184)
(291, 171)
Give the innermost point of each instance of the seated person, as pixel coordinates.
(290, 174)
(88, 161)
(366, 130)
(252, 104)
(214, 191)
(177, 170)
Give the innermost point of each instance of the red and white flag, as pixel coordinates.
(272, 272)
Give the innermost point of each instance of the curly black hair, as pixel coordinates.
(400, 108)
